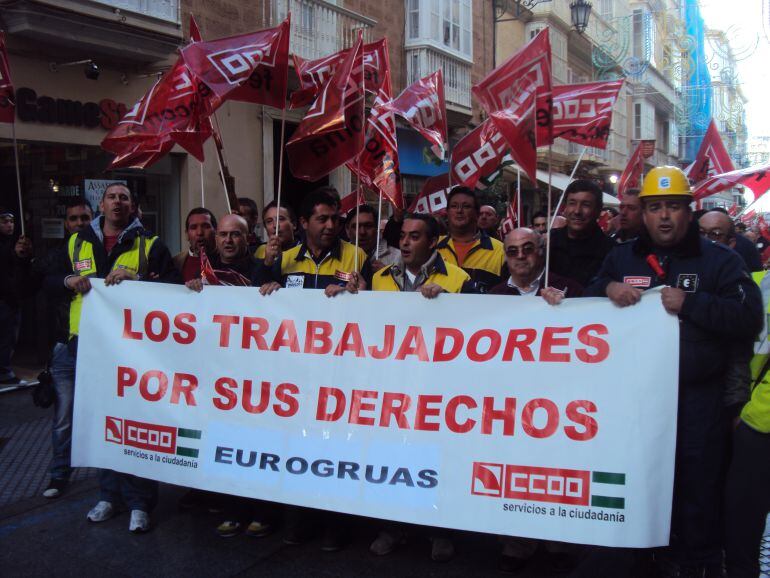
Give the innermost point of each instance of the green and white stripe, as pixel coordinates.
(607, 482)
(193, 434)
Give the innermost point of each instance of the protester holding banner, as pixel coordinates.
(287, 229)
(366, 218)
(116, 248)
(323, 261)
(708, 288)
(420, 267)
(525, 257)
(466, 246)
(577, 250)
(77, 217)
(201, 228)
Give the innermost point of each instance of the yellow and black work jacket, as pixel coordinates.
(756, 413)
(299, 270)
(260, 252)
(449, 277)
(484, 262)
(136, 250)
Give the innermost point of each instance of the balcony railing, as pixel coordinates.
(167, 10)
(319, 28)
(424, 60)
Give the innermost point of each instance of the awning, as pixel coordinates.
(560, 181)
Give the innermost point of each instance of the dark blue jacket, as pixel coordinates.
(723, 304)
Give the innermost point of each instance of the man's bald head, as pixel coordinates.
(524, 255)
(488, 219)
(718, 227)
(232, 238)
(522, 235)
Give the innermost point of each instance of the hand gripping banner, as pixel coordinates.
(437, 412)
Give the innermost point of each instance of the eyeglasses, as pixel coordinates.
(526, 250)
(461, 206)
(714, 235)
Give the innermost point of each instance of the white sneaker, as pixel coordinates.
(140, 522)
(101, 512)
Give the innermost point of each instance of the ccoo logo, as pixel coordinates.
(148, 436)
(237, 64)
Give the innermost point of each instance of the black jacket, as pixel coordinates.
(723, 304)
(748, 251)
(578, 259)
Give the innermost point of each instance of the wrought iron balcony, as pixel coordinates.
(320, 28)
(424, 60)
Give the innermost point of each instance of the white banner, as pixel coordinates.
(487, 413)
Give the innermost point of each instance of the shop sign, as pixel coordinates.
(48, 110)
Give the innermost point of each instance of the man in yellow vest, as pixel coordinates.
(116, 248)
(748, 481)
(420, 268)
(467, 246)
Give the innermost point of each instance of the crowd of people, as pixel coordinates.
(711, 277)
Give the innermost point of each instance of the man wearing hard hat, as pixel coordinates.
(708, 287)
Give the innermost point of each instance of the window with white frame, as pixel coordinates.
(607, 9)
(447, 24)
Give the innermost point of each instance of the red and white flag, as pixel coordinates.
(351, 201)
(511, 219)
(632, 174)
(432, 197)
(477, 154)
(733, 210)
(251, 67)
(712, 158)
(170, 112)
(514, 83)
(195, 32)
(757, 178)
(211, 276)
(423, 106)
(332, 132)
(7, 102)
(377, 165)
(518, 130)
(313, 74)
(580, 113)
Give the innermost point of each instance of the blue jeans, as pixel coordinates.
(135, 493)
(63, 374)
(10, 320)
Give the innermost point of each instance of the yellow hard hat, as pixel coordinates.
(666, 181)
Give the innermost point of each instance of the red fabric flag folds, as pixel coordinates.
(423, 106)
(712, 157)
(477, 154)
(432, 197)
(632, 174)
(757, 178)
(332, 132)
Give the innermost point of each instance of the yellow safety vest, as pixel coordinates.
(484, 262)
(451, 278)
(81, 254)
(756, 413)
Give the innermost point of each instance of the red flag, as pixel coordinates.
(757, 178)
(511, 219)
(423, 106)
(7, 103)
(733, 210)
(378, 160)
(580, 113)
(332, 131)
(712, 157)
(477, 155)
(432, 197)
(195, 33)
(351, 201)
(211, 276)
(171, 111)
(632, 174)
(250, 67)
(518, 130)
(313, 74)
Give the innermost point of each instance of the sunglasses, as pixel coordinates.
(526, 250)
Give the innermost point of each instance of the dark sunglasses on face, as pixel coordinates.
(526, 250)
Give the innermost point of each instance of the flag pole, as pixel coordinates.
(379, 220)
(550, 222)
(518, 196)
(571, 176)
(280, 169)
(363, 128)
(18, 177)
(203, 190)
